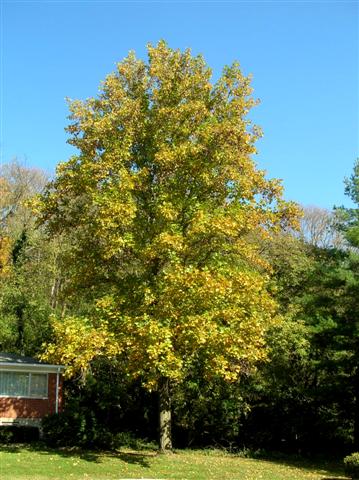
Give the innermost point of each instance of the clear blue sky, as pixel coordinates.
(303, 57)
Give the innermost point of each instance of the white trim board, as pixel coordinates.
(31, 367)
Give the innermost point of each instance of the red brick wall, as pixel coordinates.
(32, 407)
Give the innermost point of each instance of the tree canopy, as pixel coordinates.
(160, 205)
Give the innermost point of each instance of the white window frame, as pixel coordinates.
(29, 396)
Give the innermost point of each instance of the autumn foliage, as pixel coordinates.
(161, 206)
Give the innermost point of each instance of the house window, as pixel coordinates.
(22, 384)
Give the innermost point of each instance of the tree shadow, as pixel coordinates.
(335, 478)
(330, 469)
(95, 456)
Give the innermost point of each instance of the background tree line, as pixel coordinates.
(161, 263)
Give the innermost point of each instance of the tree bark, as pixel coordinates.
(19, 310)
(165, 439)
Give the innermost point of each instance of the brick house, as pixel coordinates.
(29, 390)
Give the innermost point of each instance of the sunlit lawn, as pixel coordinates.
(20, 463)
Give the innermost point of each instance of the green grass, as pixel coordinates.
(37, 463)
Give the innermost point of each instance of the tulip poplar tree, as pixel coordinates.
(160, 206)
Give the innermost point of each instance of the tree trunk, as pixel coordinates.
(19, 310)
(165, 414)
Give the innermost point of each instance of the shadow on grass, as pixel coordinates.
(330, 469)
(133, 458)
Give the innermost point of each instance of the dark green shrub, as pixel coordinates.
(351, 465)
(18, 434)
(129, 440)
(6, 435)
(76, 427)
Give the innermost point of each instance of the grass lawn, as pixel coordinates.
(36, 463)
